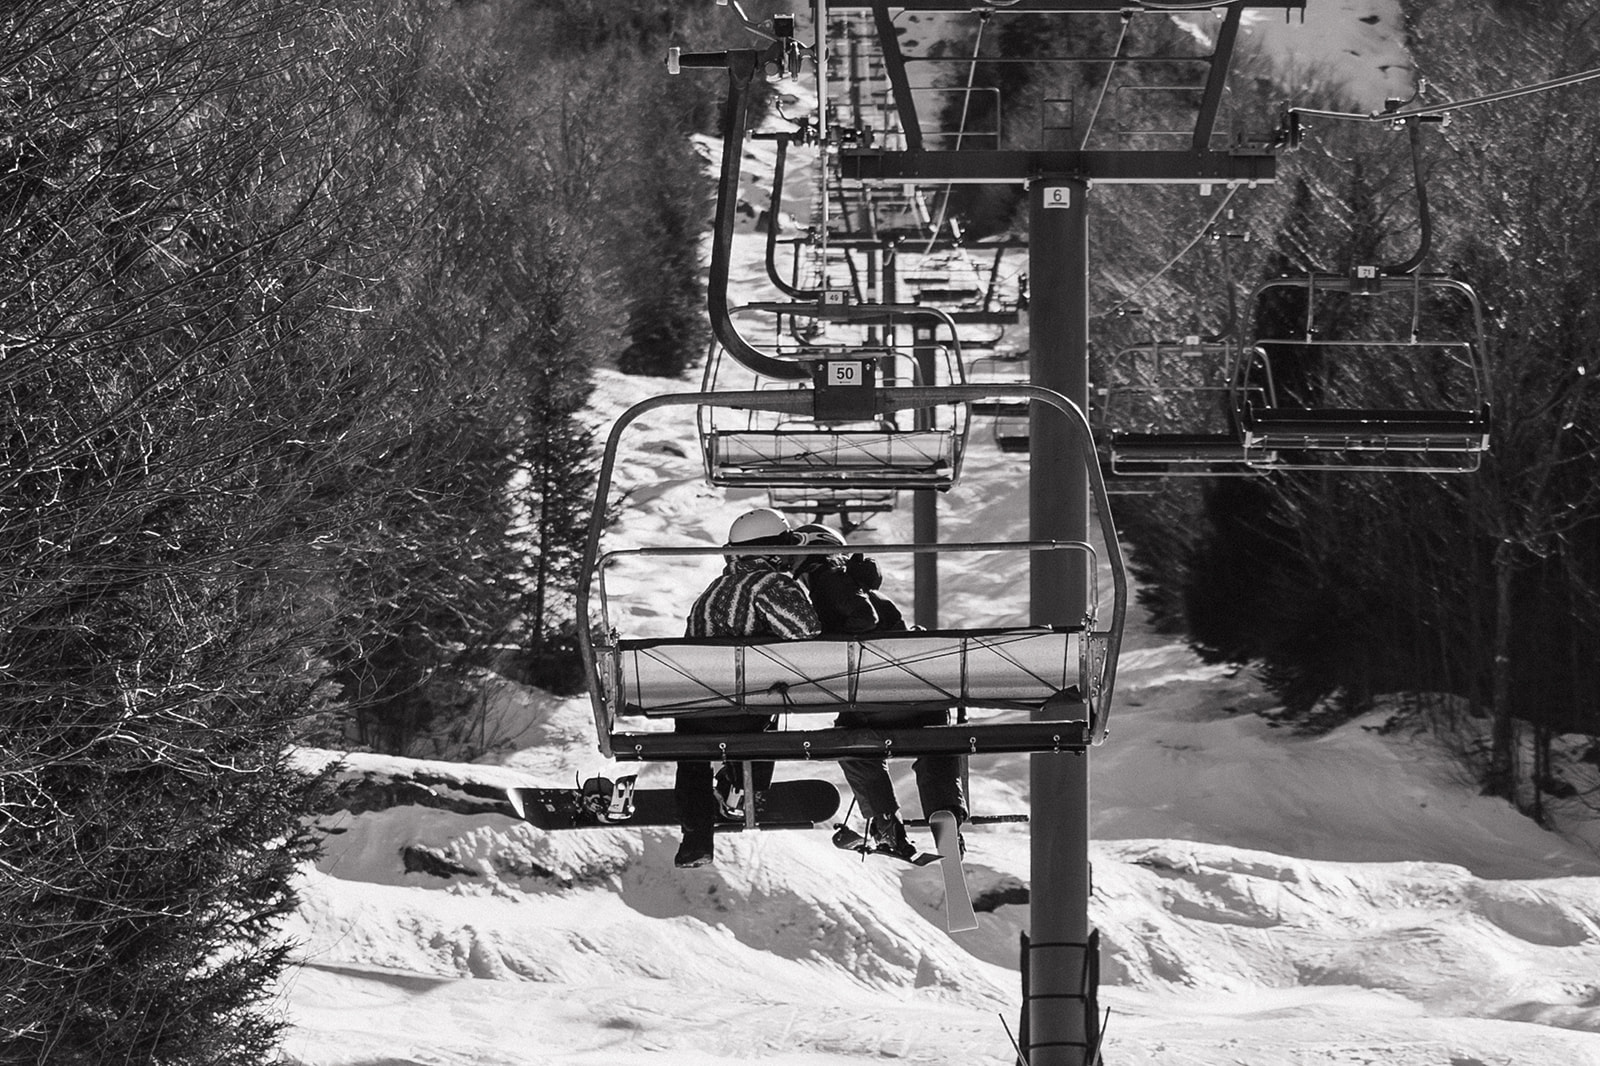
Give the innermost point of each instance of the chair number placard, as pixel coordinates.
(845, 373)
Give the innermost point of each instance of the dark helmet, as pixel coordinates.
(817, 533)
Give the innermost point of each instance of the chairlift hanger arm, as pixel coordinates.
(741, 65)
(1232, 322)
(774, 209)
(1424, 216)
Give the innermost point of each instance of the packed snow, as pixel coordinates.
(1263, 897)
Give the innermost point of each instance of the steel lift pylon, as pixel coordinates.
(1060, 1024)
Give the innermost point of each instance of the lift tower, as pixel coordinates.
(1060, 1014)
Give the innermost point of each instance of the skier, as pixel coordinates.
(754, 596)
(845, 593)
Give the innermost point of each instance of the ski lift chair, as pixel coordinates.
(997, 368)
(849, 507)
(1067, 672)
(1402, 389)
(1008, 426)
(1011, 427)
(1172, 410)
(999, 668)
(836, 448)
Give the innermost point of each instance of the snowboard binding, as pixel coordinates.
(608, 801)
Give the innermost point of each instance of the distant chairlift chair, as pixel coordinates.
(1386, 373)
(1171, 409)
(748, 448)
(848, 507)
(1009, 423)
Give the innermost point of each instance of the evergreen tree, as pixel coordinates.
(182, 242)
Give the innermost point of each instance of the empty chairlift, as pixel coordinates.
(1008, 423)
(1372, 371)
(847, 507)
(1172, 409)
(830, 450)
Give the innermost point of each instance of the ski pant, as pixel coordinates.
(694, 787)
(938, 776)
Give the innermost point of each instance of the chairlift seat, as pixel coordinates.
(1001, 667)
(1000, 408)
(1367, 430)
(952, 295)
(1182, 447)
(1015, 444)
(1187, 454)
(986, 318)
(804, 457)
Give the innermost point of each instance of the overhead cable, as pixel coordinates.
(1440, 109)
(1153, 278)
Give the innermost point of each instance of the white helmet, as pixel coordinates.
(761, 526)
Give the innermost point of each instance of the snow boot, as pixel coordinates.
(887, 833)
(699, 848)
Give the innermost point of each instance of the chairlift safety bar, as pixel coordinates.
(967, 547)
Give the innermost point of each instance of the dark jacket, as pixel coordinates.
(753, 598)
(842, 605)
(843, 592)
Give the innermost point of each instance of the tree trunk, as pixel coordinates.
(1541, 773)
(1502, 776)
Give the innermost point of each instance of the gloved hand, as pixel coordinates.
(864, 572)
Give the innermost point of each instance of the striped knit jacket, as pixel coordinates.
(751, 598)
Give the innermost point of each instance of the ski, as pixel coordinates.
(959, 915)
(847, 839)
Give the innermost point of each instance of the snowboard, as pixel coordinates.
(848, 839)
(601, 803)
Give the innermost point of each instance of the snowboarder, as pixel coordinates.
(754, 596)
(845, 593)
